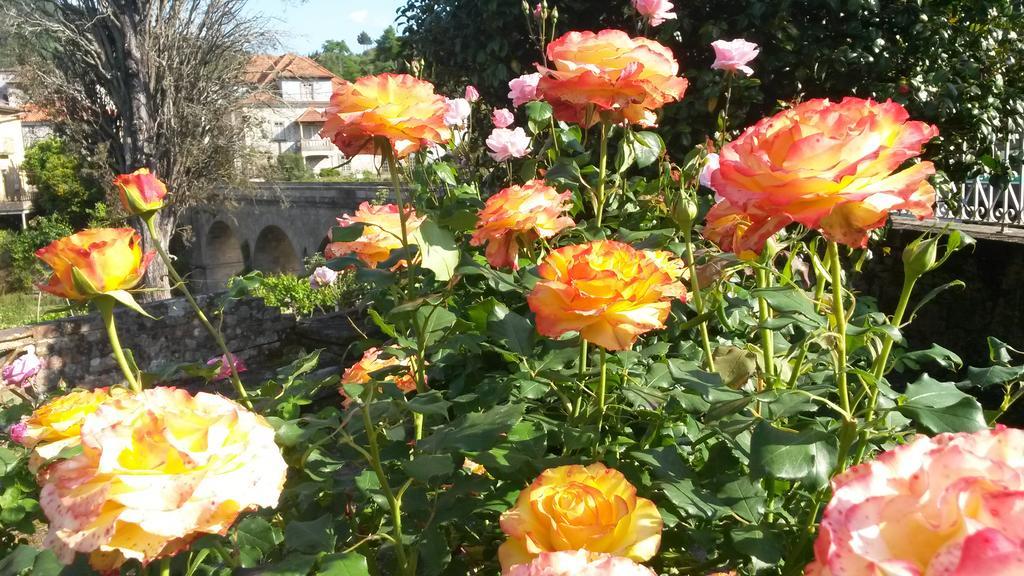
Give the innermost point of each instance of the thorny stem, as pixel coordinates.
(847, 431)
(698, 301)
(767, 336)
(105, 304)
(602, 174)
(394, 504)
(218, 338)
(602, 388)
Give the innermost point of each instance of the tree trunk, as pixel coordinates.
(156, 281)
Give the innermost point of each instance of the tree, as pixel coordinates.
(385, 56)
(954, 63)
(364, 39)
(63, 186)
(144, 83)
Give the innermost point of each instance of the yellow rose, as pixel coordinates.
(105, 259)
(158, 469)
(590, 508)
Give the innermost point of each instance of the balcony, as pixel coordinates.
(316, 146)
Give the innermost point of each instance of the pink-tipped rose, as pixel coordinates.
(502, 118)
(655, 11)
(733, 55)
(456, 112)
(17, 432)
(580, 563)
(710, 166)
(224, 367)
(523, 89)
(504, 144)
(24, 368)
(323, 277)
(945, 506)
(472, 94)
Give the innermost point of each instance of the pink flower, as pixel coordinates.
(580, 563)
(944, 506)
(504, 144)
(456, 111)
(323, 277)
(656, 11)
(17, 432)
(472, 94)
(538, 11)
(224, 368)
(734, 55)
(20, 372)
(502, 118)
(710, 167)
(523, 89)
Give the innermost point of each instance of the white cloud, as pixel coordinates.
(359, 16)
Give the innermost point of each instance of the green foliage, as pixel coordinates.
(294, 294)
(22, 268)
(64, 187)
(291, 167)
(382, 55)
(958, 65)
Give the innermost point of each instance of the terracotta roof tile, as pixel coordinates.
(312, 115)
(265, 68)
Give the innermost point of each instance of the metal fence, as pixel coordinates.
(982, 201)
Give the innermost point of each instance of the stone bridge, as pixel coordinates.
(268, 226)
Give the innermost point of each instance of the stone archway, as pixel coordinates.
(224, 256)
(274, 252)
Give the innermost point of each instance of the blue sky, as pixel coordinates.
(303, 25)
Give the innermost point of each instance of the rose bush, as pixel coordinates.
(580, 353)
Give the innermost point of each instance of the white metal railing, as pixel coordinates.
(316, 145)
(980, 201)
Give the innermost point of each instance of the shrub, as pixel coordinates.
(291, 167)
(294, 294)
(24, 268)
(63, 187)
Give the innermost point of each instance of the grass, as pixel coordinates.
(21, 309)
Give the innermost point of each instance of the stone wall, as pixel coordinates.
(77, 351)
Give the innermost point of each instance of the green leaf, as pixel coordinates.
(790, 302)
(126, 299)
(28, 561)
(513, 331)
(1000, 352)
(735, 365)
(440, 252)
(445, 173)
(539, 111)
(690, 499)
(936, 354)
(291, 565)
(744, 497)
(430, 403)
(762, 547)
(932, 294)
(474, 432)
(349, 233)
(433, 322)
(255, 538)
(342, 564)
(310, 537)
(942, 407)
(429, 466)
(805, 456)
(994, 376)
(647, 147)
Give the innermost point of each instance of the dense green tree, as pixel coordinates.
(386, 55)
(957, 64)
(64, 187)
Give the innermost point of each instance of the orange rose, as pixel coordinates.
(742, 233)
(607, 291)
(590, 508)
(94, 261)
(396, 107)
(829, 166)
(518, 216)
(55, 425)
(157, 470)
(944, 506)
(608, 73)
(360, 372)
(140, 192)
(382, 233)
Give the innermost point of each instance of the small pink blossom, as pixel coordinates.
(224, 368)
(17, 432)
(538, 11)
(734, 55)
(580, 563)
(655, 11)
(322, 277)
(456, 111)
(710, 167)
(472, 94)
(505, 144)
(502, 118)
(24, 368)
(523, 89)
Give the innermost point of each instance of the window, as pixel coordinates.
(306, 92)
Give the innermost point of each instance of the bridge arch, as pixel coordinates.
(274, 252)
(224, 255)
